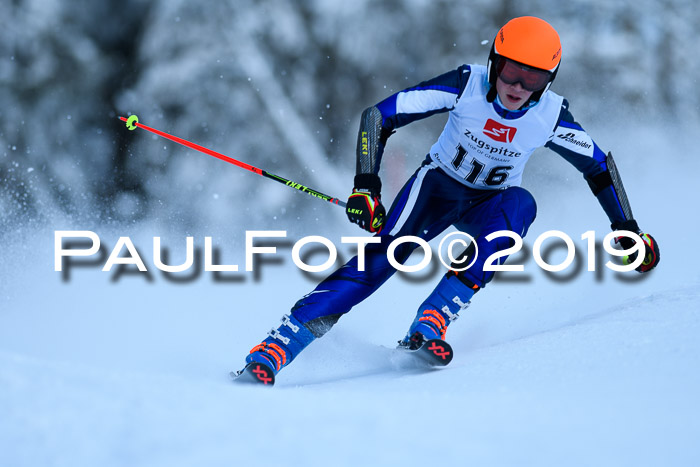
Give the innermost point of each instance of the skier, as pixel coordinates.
(498, 115)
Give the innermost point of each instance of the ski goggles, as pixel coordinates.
(531, 79)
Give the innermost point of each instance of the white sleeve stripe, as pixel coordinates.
(574, 140)
(422, 101)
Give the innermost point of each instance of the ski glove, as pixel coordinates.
(364, 206)
(652, 255)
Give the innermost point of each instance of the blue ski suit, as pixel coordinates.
(470, 180)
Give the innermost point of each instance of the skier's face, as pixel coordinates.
(513, 96)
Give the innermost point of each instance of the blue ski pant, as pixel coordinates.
(429, 203)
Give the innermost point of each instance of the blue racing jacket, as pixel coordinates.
(484, 145)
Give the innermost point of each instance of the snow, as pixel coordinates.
(123, 369)
(104, 380)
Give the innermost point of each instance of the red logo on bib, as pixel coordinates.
(498, 132)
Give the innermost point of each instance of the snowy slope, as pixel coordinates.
(586, 371)
(618, 388)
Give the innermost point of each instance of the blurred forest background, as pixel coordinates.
(280, 85)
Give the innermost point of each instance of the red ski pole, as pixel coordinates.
(133, 122)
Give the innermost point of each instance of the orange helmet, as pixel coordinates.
(529, 41)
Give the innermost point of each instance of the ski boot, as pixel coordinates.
(281, 346)
(452, 295)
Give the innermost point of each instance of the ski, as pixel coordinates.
(255, 373)
(434, 352)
